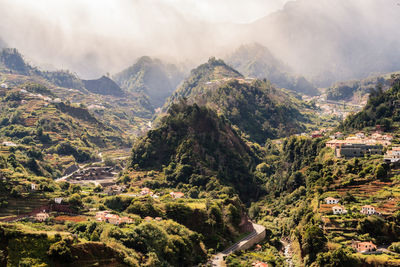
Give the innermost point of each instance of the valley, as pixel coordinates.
(275, 143)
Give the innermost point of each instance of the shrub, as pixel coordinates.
(60, 251)
(395, 247)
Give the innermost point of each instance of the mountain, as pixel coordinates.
(257, 108)
(54, 132)
(358, 90)
(151, 77)
(198, 148)
(383, 108)
(12, 60)
(328, 41)
(257, 61)
(103, 86)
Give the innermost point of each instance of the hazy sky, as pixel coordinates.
(94, 36)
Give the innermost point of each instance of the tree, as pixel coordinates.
(60, 251)
(381, 172)
(75, 201)
(17, 191)
(313, 241)
(337, 258)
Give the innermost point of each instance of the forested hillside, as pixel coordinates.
(382, 109)
(200, 149)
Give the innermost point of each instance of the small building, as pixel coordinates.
(338, 135)
(358, 150)
(338, 210)
(8, 143)
(260, 264)
(317, 134)
(4, 85)
(363, 247)
(331, 200)
(101, 215)
(127, 220)
(368, 210)
(360, 135)
(177, 195)
(393, 155)
(112, 218)
(58, 200)
(41, 216)
(146, 191)
(158, 219)
(34, 187)
(148, 219)
(377, 136)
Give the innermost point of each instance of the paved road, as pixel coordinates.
(218, 259)
(81, 167)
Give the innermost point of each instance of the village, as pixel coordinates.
(59, 210)
(332, 206)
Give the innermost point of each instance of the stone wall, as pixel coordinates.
(256, 239)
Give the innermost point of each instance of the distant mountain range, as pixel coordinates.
(255, 60)
(152, 77)
(329, 41)
(12, 61)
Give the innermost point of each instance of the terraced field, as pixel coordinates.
(21, 206)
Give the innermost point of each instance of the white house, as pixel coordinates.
(368, 210)
(339, 210)
(331, 200)
(360, 135)
(8, 143)
(392, 155)
(34, 186)
(4, 85)
(58, 200)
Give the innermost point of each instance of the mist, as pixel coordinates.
(95, 37)
(319, 38)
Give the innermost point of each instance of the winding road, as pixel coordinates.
(218, 259)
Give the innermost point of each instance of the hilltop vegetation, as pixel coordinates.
(103, 86)
(151, 77)
(258, 109)
(198, 148)
(257, 61)
(200, 77)
(382, 109)
(11, 61)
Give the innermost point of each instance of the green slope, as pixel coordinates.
(257, 108)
